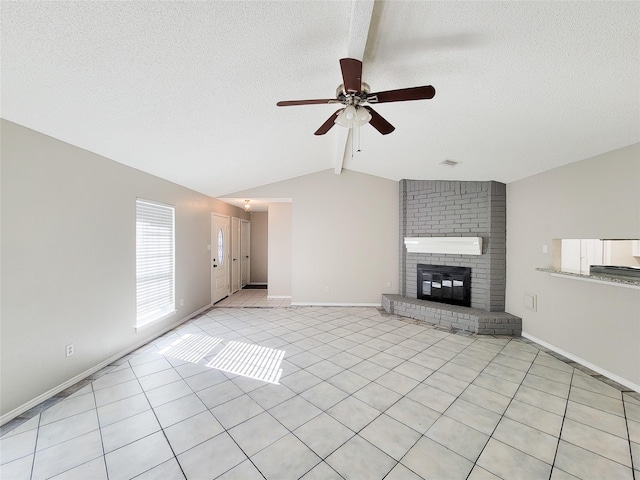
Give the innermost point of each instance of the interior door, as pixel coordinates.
(245, 248)
(219, 257)
(235, 254)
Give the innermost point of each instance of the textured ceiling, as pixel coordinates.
(187, 90)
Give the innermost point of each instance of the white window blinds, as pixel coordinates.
(155, 257)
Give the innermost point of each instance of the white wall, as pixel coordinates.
(279, 250)
(68, 260)
(594, 198)
(622, 254)
(259, 243)
(344, 236)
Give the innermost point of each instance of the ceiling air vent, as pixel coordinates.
(449, 163)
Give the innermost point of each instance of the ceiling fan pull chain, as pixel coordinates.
(351, 141)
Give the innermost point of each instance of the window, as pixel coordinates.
(155, 261)
(220, 247)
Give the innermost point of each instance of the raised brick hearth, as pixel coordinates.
(452, 316)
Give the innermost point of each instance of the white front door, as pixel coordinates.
(219, 257)
(235, 254)
(245, 248)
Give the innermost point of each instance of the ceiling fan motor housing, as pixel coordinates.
(353, 98)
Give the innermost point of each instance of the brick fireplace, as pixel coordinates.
(438, 208)
(435, 208)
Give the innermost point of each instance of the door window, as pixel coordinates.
(220, 246)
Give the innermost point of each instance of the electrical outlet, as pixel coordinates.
(69, 349)
(327, 289)
(182, 302)
(388, 284)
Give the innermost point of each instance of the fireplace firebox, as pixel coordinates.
(441, 283)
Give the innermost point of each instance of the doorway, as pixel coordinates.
(245, 248)
(235, 255)
(219, 257)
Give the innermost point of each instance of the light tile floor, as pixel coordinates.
(363, 395)
(253, 298)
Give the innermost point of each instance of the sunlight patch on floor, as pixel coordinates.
(191, 347)
(249, 360)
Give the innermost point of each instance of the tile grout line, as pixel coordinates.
(564, 416)
(35, 447)
(596, 428)
(475, 463)
(626, 423)
(104, 453)
(157, 420)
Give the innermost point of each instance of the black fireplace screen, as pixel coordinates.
(441, 283)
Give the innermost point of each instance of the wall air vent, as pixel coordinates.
(450, 245)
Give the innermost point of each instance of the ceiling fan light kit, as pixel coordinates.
(353, 117)
(354, 93)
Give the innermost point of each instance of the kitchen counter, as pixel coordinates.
(621, 281)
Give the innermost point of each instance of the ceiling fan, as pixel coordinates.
(354, 93)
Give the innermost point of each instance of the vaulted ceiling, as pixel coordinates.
(187, 90)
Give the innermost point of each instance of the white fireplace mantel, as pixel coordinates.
(445, 245)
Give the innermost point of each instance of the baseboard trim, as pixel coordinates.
(333, 304)
(72, 381)
(278, 296)
(582, 361)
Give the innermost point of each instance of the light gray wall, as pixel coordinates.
(259, 243)
(68, 260)
(594, 198)
(279, 250)
(344, 236)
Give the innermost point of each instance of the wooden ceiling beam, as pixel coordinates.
(361, 13)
